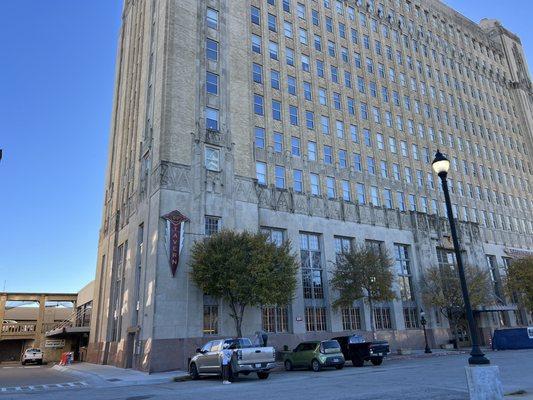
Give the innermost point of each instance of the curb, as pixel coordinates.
(103, 382)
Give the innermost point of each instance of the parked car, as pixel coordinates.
(315, 355)
(32, 356)
(358, 350)
(247, 359)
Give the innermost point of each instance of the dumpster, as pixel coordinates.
(512, 339)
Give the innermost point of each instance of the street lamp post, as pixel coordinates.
(441, 165)
(423, 323)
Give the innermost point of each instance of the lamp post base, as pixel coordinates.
(427, 350)
(477, 357)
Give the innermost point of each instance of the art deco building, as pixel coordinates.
(315, 121)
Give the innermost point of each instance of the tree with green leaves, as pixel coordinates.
(244, 269)
(363, 273)
(519, 281)
(441, 288)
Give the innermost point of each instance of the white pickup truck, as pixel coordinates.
(32, 356)
(246, 359)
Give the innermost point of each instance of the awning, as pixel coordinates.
(68, 331)
(498, 307)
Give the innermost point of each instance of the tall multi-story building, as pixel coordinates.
(315, 121)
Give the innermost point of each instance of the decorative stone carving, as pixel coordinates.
(173, 176)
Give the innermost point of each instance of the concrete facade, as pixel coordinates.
(196, 128)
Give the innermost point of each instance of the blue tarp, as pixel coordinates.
(511, 339)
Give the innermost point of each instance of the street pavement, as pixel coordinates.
(439, 377)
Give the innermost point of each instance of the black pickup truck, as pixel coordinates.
(357, 349)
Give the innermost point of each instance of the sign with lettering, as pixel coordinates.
(176, 220)
(54, 343)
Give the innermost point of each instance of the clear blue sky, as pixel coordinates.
(56, 87)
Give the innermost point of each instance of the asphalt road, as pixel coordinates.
(439, 378)
(21, 378)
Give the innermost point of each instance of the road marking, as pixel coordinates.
(37, 388)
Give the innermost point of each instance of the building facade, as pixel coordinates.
(315, 121)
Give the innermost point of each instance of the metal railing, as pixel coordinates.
(21, 329)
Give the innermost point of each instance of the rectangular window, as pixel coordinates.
(346, 194)
(275, 319)
(315, 184)
(330, 183)
(211, 83)
(410, 317)
(274, 79)
(293, 114)
(212, 18)
(297, 181)
(403, 270)
(210, 320)
(212, 225)
(257, 73)
(361, 195)
(280, 177)
(278, 142)
(351, 318)
(261, 173)
(211, 119)
(212, 159)
(382, 318)
(211, 50)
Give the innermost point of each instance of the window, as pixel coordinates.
(289, 56)
(210, 319)
(257, 73)
(274, 79)
(328, 156)
(346, 194)
(315, 319)
(212, 159)
(280, 177)
(278, 142)
(272, 23)
(211, 118)
(410, 317)
(256, 44)
(382, 318)
(374, 196)
(357, 162)
(259, 137)
(293, 114)
(212, 83)
(297, 181)
(351, 318)
(276, 110)
(403, 269)
(275, 319)
(261, 173)
(361, 195)
(258, 105)
(255, 14)
(315, 185)
(307, 91)
(400, 200)
(211, 50)
(273, 50)
(212, 18)
(330, 183)
(212, 225)
(387, 198)
(371, 165)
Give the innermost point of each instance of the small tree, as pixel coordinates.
(363, 273)
(441, 289)
(244, 269)
(519, 281)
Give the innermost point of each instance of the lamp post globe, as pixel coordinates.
(441, 166)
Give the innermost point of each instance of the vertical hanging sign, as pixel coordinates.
(177, 226)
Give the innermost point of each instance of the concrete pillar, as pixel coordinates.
(3, 300)
(40, 319)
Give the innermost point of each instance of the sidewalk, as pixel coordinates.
(421, 354)
(98, 375)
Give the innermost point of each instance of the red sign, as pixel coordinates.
(177, 225)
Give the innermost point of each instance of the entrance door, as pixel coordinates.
(130, 346)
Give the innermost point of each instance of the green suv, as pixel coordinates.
(315, 355)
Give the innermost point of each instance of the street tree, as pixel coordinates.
(363, 273)
(441, 288)
(244, 269)
(519, 281)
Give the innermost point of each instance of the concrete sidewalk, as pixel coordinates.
(97, 375)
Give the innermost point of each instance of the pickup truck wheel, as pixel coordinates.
(358, 362)
(339, 366)
(193, 372)
(315, 365)
(376, 360)
(262, 375)
(288, 365)
(23, 362)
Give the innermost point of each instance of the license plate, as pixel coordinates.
(335, 360)
(257, 365)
